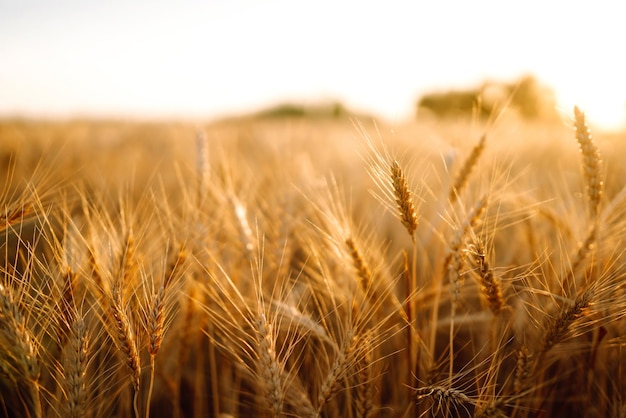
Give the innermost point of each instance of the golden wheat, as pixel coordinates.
(404, 199)
(592, 162)
(76, 359)
(463, 175)
(249, 283)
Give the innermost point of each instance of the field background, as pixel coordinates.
(262, 266)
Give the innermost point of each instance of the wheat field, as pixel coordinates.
(327, 268)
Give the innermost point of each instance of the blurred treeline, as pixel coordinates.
(527, 96)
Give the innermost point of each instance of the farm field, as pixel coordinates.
(304, 267)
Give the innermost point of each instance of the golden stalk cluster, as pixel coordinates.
(244, 280)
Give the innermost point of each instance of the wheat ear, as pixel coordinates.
(270, 369)
(592, 162)
(490, 285)
(404, 199)
(466, 170)
(126, 341)
(14, 214)
(585, 249)
(203, 167)
(453, 263)
(344, 358)
(364, 402)
(156, 319)
(76, 358)
(453, 271)
(243, 226)
(19, 363)
(523, 370)
(451, 398)
(360, 265)
(559, 326)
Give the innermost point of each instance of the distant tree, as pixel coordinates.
(452, 103)
(332, 110)
(287, 110)
(527, 96)
(533, 100)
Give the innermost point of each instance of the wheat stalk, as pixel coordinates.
(466, 170)
(585, 249)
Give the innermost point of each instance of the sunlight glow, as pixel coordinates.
(209, 59)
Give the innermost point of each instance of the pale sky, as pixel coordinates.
(209, 59)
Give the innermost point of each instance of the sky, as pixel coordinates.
(205, 59)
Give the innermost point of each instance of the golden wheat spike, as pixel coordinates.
(466, 170)
(592, 162)
(404, 199)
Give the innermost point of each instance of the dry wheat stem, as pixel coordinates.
(411, 352)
